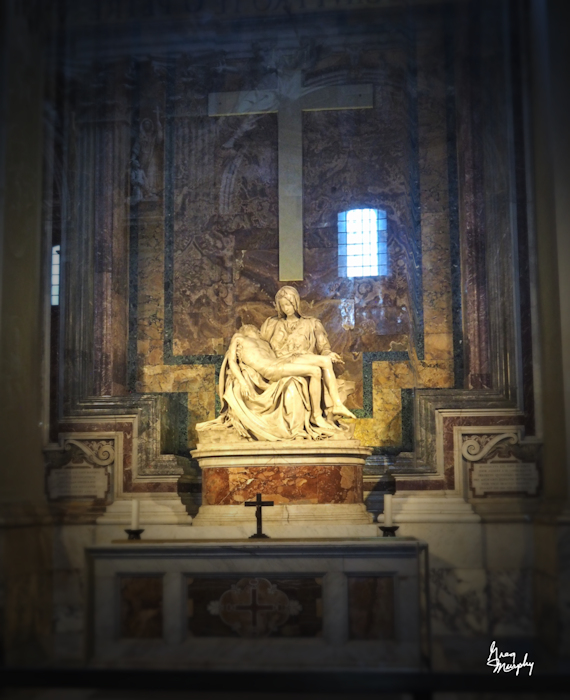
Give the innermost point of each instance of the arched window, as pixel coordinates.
(362, 246)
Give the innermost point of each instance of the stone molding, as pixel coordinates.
(430, 507)
(287, 452)
(143, 413)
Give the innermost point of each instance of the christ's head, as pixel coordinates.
(249, 331)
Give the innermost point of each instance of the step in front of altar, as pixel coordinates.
(345, 604)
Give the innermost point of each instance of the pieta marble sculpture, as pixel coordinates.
(278, 382)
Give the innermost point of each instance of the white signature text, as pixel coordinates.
(507, 661)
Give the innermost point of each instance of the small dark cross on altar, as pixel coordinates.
(258, 503)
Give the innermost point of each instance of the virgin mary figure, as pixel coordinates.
(259, 408)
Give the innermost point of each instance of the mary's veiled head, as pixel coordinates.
(292, 296)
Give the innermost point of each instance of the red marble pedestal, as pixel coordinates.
(307, 481)
(283, 484)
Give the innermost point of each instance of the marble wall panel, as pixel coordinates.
(220, 273)
(146, 436)
(385, 428)
(471, 176)
(458, 601)
(564, 587)
(150, 278)
(68, 614)
(27, 594)
(359, 163)
(197, 381)
(150, 78)
(478, 602)
(232, 188)
(371, 607)
(140, 607)
(510, 603)
(437, 370)
(234, 485)
(70, 590)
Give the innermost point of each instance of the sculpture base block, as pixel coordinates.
(283, 484)
(309, 482)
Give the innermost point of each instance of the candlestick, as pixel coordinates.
(136, 534)
(135, 511)
(388, 519)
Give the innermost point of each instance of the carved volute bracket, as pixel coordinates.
(99, 452)
(476, 447)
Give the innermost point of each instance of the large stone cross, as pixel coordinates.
(290, 100)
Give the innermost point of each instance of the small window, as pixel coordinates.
(55, 275)
(362, 249)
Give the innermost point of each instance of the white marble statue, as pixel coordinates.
(278, 383)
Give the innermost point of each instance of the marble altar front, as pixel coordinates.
(297, 605)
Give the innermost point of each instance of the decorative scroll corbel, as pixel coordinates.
(475, 447)
(102, 455)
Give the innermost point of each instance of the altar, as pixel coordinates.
(265, 605)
